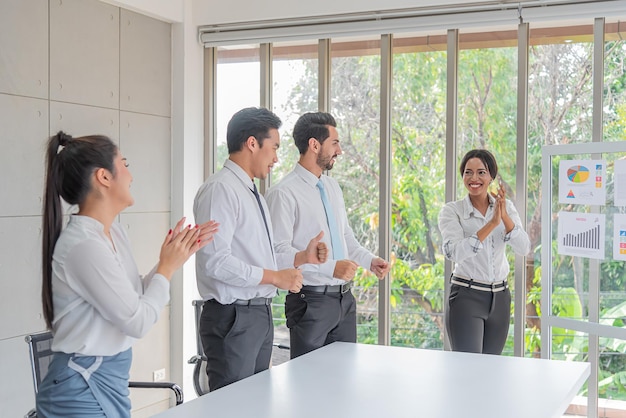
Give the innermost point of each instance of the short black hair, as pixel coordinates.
(251, 121)
(483, 155)
(312, 125)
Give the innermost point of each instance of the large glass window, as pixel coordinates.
(487, 114)
(614, 105)
(559, 112)
(355, 104)
(418, 190)
(612, 304)
(238, 86)
(295, 91)
(612, 363)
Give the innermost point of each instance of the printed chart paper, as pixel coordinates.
(619, 183)
(582, 182)
(581, 234)
(619, 236)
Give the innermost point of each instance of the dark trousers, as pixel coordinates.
(478, 321)
(237, 341)
(318, 319)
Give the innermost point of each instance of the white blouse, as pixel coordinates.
(486, 261)
(101, 304)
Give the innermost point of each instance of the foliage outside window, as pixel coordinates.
(559, 112)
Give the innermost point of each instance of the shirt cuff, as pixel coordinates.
(475, 243)
(256, 275)
(159, 290)
(511, 234)
(328, 268)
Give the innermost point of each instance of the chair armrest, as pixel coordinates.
(196, 359)
(160, 385)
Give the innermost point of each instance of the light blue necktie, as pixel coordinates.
(335, 237)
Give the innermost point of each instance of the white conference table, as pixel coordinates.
(347, 380)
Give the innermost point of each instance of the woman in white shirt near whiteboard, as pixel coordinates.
(94, 300)
(475, 232)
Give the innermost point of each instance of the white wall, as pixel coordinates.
(85, 67)
(166, 10)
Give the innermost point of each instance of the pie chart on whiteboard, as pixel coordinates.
(578, 174)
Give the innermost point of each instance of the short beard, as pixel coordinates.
(325, 163)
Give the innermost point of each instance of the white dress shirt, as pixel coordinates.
(231, 266)
(101, 304)
(486, 261)
(298, 215)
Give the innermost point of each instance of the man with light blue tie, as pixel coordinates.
(306, 200)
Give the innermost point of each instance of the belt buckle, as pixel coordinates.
(345, 288)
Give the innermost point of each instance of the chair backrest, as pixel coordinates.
(197, 305)
(39, 347)
(200, 378)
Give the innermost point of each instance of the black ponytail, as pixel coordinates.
(70, 162)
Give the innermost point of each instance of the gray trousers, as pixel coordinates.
(317, 319)
(237, 341)
(478, 321)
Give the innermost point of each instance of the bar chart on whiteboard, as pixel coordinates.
(581, 234)
(589, 239)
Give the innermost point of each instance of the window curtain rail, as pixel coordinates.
(489, 14)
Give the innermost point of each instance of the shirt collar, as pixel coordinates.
(468, 208)
(239, 173)
(87, 222)
(306, 175)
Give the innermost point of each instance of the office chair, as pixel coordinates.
(39, 346)
(200, 378)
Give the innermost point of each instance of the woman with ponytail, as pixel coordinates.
(94, 300)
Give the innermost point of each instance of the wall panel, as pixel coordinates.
(146, 141)
(24, 131)
(84, 52)
(146, 232)
(24, 48)
(145, 70)
(80, 120)
(16, 393)
(144, 365)
(20, 270)
(60, 70)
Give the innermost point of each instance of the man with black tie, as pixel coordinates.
(236, 273)
(306, 200)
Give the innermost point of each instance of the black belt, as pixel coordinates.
(248, 302)
(253, 301)
(338, 288)
(485, 287)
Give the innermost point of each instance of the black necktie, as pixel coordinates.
(258, 200)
